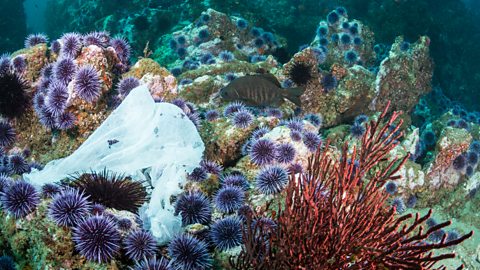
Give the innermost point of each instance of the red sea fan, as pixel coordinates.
(335, 215)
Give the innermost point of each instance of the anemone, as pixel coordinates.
(198, 174)
(226, 233)
(300, 73)
(189, 253)
(64, 70)
(56, 99)
(20, 199)
(35, 39)
(14, 99)
(262, 152)
(97, 239)
(111, 190)
(69, 207)
(285, 153)
(122, 48)
(311, 140)
(139, 244)
(88, 85)
(194, 208)
(71, 45)
(242, 119)
(229, 198)
(7, 134)
(271, 180)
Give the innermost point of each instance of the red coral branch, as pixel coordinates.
(335, 215)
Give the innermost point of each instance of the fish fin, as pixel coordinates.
(293, 94)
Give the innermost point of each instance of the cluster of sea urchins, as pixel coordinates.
(54, 96)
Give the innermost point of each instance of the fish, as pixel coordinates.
(260, 90)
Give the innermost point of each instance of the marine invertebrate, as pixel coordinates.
(475, 146)
(17, 164)
(229, 198)
(311, 140)
(295, 124)
(233, 107)
(7, 134)
(139, 244)
(262, 152)
(322, 30)
(459, 162)
(469, 171)
(429, 138)
(211, 167)
(235, 179)
(472, 158)
(300, 73)
(88, 85)
(345, 39)
(69, 207)
(71, 45)
(56, 47)
(14, 99)
(65, 121)
(203, 34)
(182, 52)
(242, 119)
(100, 39)
(296, 135)
(64, 70)
(35, 39)
(399, 205)
(212, 115)
(152, 263)
(7, 263)
(126, 85)
(360, 119)
(189, 253)
(329, 82)
(19, 64)
(357, 41)
(111, 190)
(226, 56)
(256, 31)
(96, 238)
(351, 57)
(182, 40)
(324, 195)
(259, 132)
(242, 24)
(5, 63)
(206, 57)
(411, 201)
(50, 190)
(56, 100)
(357, 131)
(194, 207)
(274, 112)
(124, 224)
(122, 48)
(404, 46)
(333, 17)
(226, 233)
(198, 174)
(271, 180)
(259, 42)
(285, 153)
(19, 199)
(391, 187)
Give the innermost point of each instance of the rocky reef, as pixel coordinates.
(112, 145)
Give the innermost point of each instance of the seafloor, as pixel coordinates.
(178, 159)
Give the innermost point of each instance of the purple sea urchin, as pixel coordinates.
(274, 112)
(88, 85)
(17, 164)
(65, 121)
(69, 207)
(194, 208)
(295, 135)
(111, 190)
(329, 82)
(57, 96)
(399, 205)
(96, 238)
(271, 180)
(7, 134)
(285, 153)
(126, 85)
(71, 45)
(122, 48)
(233, 108)
(226, 233)
(152, 264)
(229, 198)
(260, 132)
(262, 152)
(35, 39)
(212, 115)
(20, 199)
(236, 180)
(56, 47)
(295, 124)
(391, 188)
(211, 167)
(64, 70)
(242, 119)
(226, 56)
(189, 253)
(124, 224)
(19, 64)
(311, 140)
(50, 190)
(315, 119)
(459, 163)
(357, 130)
(139, 244)
(198, 174)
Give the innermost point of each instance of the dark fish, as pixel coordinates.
(260, 90)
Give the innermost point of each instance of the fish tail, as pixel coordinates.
(293, 94)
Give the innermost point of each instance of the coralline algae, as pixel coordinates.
(147, 140)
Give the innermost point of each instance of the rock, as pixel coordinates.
(154, 142)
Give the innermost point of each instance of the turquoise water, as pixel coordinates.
(182, 134)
